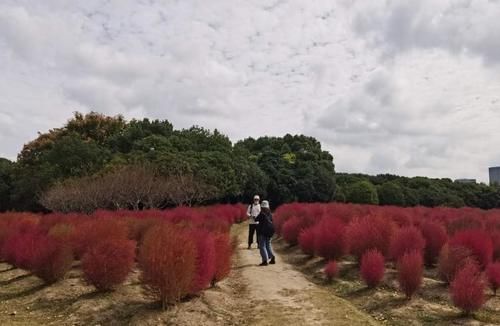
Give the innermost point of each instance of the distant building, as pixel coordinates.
(495, 175)
(465, 180)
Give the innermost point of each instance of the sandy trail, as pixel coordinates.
(279, 295)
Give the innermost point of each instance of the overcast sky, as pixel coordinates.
(404, 87)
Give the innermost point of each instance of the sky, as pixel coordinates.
(387, 86)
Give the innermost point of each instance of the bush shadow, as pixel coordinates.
(21, 294)
(15, 279)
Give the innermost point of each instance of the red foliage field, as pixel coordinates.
(181, 251)
(454, 238)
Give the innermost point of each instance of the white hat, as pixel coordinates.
(264, 204)
(256, 197)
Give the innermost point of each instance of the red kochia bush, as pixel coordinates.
(205, 260)
(405, 240)
(493, 274)
(19, 242)
(307, 239)
(451, 259)
(223, 253)
(435, 237)
(410, 270)
(167, 259)
(372, 267)
(52, 259)
(292, 228)
(20, 249)
(107, 264)
(330, 239)
(467, 289)
(478, 241)
(331, 270)
(495, 237)
(89, 233)
(371, 232)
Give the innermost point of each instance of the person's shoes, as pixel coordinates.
(272, 261)
(249, 247)
(264, 263)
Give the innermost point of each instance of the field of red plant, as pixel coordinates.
(179, 252)
(432, 256)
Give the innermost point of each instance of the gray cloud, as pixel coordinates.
(387, 86)
(459, 26)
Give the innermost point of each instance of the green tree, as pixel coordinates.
(6, 170)
(362, 192)
(391, 193)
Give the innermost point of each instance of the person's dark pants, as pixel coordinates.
(252, 229)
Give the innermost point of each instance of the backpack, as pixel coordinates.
(267, 227)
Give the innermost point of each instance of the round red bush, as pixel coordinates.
(167, 259)
(307, 239)
(330, 239)
(406, 240)
(451, 259)
(478, 241)
(410, 270)
(493, 274)
(372, 267)
(371, 232)
(435, 238)
(90, 232)
(53, 259)
(467, 289)
(107, 264)
(223, 254)
(205, 260)
(331, 270)
(291, 230)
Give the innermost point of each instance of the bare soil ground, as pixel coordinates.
(251, 295)
(431, 306)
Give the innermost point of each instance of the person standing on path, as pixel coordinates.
(252, 212)
(265, 230)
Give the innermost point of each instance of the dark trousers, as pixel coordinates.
(252, 228)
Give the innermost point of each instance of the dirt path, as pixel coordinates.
(279, 295)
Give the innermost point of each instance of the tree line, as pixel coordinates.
(387, 189)
(98, 161)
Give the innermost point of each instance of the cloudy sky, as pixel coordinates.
(404, 87)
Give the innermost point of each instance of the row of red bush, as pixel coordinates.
(179, 252)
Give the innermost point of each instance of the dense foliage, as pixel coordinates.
(404, 191)
(83, 165)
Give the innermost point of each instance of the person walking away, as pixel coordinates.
(265, 229)
(252, 212)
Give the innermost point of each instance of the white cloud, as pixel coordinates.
(387, 86)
